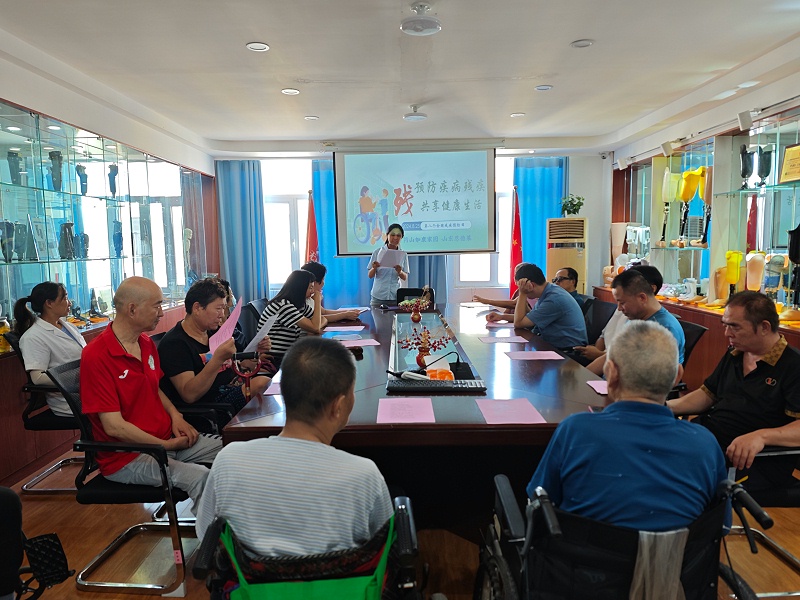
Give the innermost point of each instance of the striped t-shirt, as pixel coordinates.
(285, 331)
(286, 496)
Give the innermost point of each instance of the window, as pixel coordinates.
(492, 269)
(286, 183)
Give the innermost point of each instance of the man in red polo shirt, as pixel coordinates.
(120, 373)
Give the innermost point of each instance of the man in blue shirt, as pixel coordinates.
(556, 315)
(634, 465)
(567, 278)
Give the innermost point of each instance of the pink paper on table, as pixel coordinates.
(501, 324)
(601, 387)
(344, 327)
(355, 343)
(534, 355)
(273, 389)
(405, 410)
(511, 339)
(225, 332)
(518, 410)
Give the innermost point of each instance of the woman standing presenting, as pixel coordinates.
(47, 340)
(387, 279)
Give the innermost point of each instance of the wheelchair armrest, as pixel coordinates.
(767, 451)
(407, 545)
(204, 557)
(507, 509)
(157, 451)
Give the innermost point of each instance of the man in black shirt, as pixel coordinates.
(752, 399)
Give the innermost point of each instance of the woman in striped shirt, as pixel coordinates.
(295, 317)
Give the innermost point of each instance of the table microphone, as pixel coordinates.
(245, 356)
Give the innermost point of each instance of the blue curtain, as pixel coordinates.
(541, 183)
(243, 243)
(346, 282)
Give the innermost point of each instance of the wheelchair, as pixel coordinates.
(554, 555)
(364, 224)
(385, 567)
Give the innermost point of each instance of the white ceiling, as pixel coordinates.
(186, 59)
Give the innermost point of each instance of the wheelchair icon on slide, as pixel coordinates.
(366, 225)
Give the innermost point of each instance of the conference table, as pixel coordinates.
(447, 467)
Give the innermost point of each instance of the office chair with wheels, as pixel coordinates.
(596, 317)
(99, 490)
(557, 555)
(37, 416)
(382, 567)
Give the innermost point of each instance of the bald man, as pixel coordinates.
(120, 373)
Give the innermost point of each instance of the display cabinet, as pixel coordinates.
(86, 211)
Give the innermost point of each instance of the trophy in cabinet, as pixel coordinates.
(117, 238)
(56, 161)
(112, 179)
(746, 159)
(793, 313)
(66, 241)
(7, 241)
(764, 165)
(13, 167)
(80, 171)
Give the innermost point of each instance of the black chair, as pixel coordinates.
(321, 574)
(99, 490)
(558, 555)
(597, 316)
(692, 333)
(37, 416)
(413, 293)
(248, 319)
(587, 303)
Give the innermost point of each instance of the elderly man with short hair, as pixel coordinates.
(634, 465)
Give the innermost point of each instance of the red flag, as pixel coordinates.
(516, 243)
(312, 244)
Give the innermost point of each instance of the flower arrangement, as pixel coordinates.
(424, 342)
(414, 305)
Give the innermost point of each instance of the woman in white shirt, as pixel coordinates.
(47, 339)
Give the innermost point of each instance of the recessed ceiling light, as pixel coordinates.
(15, 149)
(290, 91)
(749, 84)
(531, 151)
(724, 95)
(47, 148)
(421, 23)
(414, 115)
(581, 43)
(257, 46)
(515, 115)
(29, 141)
(13, 128)
(54, 128)
(311, 118)
(111, 146)
(543, 88)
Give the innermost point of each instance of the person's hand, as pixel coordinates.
(398, 268)
(744, 448)
(522, 286)
(350, 315)
(493, 317)
(225, 350)
(265, 345)
(180, 442)
(590, 352)
(375, 265)
(182, 430)
(476, 298)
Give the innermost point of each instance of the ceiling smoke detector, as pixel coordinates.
(421, 23)
(414, 115)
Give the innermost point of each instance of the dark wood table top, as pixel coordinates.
(557, 388)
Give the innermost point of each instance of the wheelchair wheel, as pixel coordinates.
(738, 586)
(361, 227)
(493, 580)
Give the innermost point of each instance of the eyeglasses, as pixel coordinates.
(558, 279)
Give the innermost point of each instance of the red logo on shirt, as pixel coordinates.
(771, 381)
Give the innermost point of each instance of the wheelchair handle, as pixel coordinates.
(548, 512)
(740, 496)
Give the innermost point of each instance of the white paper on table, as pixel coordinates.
(392, 258)
(344, 327)
(511, 339)
(499, 324)
(360, 309)
(534, 355)
(251, 347)
(225, 332)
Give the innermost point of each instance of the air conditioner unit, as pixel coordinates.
(566, 247)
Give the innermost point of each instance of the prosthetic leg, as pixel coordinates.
(793, 313)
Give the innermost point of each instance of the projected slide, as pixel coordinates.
(443, 200)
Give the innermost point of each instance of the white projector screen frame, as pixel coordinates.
(451, 193)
